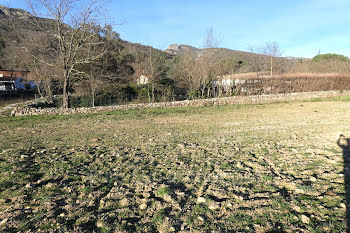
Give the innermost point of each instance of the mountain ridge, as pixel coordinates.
(8, 12)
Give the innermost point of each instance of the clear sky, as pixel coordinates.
(301, 27)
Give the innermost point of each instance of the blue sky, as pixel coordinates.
(301, 27)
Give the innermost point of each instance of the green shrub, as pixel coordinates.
(330, 56)
(80, 101)
(142, 94)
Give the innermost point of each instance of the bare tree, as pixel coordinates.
(264, 57)
(222, 67)
(256, 59)
(153, 66)
(210, 41)
(272, 50)
(183, 71)
(39, 46)
(71, 35)
(198, 70)
(45, 79)
(92, 71)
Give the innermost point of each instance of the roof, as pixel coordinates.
(12, 74)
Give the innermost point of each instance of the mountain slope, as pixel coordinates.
(15, 22)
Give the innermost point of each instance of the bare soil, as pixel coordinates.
(248, 168)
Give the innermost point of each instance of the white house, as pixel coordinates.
(142, 80)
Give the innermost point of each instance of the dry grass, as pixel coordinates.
(292, 82)
(266, 75)
(315, 75)
(304, 82)
(248, 75)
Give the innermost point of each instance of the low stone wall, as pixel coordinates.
(254, 99)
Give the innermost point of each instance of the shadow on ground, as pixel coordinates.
(344, 143)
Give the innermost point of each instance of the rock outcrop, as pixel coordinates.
(175, 49)
(14, 12)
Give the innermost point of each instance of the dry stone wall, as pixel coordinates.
(254, 99)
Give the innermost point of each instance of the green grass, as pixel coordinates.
(159, 216)
(162, 191)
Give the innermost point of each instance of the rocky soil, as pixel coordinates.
(248, 168)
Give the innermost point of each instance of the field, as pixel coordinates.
(249, 168)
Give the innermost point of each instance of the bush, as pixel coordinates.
(118, 95)
(80, 101)
(103, 99)
(142, 94)
(330, 56)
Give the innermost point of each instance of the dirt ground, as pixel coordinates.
(249, 168)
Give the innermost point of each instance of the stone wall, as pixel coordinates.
(254, 99)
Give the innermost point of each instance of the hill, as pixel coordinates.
(248, 60)
(15, 22)
(6, 12)
(175, 49)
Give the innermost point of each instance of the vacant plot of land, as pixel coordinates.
(252, 168)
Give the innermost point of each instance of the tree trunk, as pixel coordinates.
(202, 92)
(93, 87)
(152, 92)
(66, 93)
(46, 94)
(271, 64)
(93, 97)
(148, 93)
(49, 92)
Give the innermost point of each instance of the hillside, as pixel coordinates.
(6, 12)
(245, 58)
(14, 22)
(176, 49)
(18, 22)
